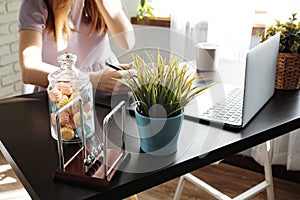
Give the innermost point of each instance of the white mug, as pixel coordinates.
(207, 57)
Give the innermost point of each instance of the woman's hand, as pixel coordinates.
(106, 80)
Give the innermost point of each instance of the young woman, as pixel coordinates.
(49, 28)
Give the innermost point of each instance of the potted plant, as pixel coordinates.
(161, 91)
(288, 65)
(144, 10)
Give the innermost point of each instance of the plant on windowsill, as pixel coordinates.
(161, 91)
(288, 65)
(144, 10)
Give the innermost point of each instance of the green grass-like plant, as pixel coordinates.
(169, 85)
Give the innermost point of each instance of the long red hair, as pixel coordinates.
(59, 24)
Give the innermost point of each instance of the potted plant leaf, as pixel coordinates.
(161, 90)
(288, 65)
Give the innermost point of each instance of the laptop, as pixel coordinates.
(234, 107)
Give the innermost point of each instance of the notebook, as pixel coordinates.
(246, 101)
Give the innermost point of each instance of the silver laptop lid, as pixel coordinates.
(261, 63)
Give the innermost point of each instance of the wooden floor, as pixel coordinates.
(10, 186)
(226, 178)
(229, 179)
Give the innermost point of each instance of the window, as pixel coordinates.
(266, 11)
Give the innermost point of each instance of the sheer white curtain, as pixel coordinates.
(227, 23)
(285, 150)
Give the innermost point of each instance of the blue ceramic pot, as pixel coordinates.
(159, 136)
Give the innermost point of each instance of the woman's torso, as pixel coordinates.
(92, 50)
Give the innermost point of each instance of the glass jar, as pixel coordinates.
(65, 85)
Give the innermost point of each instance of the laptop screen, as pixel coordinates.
(257, 88)
(261, 63)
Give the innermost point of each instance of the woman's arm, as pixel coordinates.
(33, 70)
(117, 22)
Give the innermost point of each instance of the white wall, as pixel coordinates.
(130, 6)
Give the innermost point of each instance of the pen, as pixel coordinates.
(113, 66)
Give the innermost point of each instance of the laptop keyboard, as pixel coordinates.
(228, 111)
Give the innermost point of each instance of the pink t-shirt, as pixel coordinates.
(92, 51)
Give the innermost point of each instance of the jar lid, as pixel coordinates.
(67, 71)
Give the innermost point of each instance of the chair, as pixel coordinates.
(266, 184)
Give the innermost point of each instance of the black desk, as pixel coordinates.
(29, 148)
